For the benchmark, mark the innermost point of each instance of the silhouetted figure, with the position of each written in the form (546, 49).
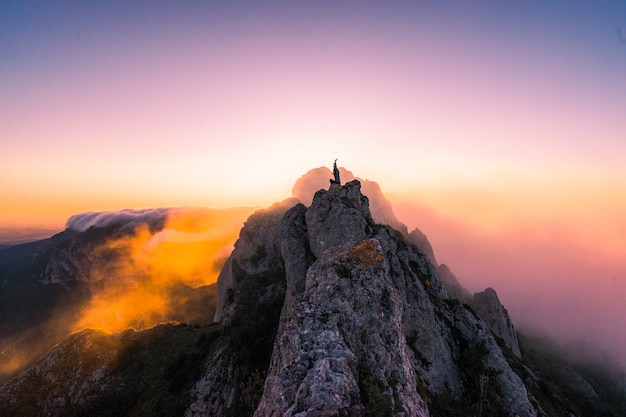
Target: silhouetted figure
(337, 180)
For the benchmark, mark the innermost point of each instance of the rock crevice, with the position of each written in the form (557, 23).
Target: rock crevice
(365, 320)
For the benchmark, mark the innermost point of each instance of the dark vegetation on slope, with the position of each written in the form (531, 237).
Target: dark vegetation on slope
(153, 372)
(148, 372)
(560, 391)
(22, 298)
(250, 336)
(143, 373)
(35, 316)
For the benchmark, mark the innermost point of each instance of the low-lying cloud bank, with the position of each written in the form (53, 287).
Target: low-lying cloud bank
(127, 219)
(555, 279)
(158, 261)
(140, 268)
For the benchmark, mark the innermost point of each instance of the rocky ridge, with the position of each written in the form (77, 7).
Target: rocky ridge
(491, 311)
(366, 321)
(323, 310)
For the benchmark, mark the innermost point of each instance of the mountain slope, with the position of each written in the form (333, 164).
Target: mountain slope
(132, 373)
(321, 311)
(93, 273)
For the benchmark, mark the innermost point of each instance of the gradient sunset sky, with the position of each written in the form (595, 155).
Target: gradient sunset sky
(496, 122)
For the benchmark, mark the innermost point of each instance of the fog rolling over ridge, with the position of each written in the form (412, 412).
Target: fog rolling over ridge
(112, 271)
(548, 279)
(555, 276)
(163, 251)
(325, 297)
(552, 275)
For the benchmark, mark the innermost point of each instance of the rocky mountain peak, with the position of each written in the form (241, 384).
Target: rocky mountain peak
(339, 215)
(491, 311)
(365, 321)
(315, 179)
(323, 310)
(256, 254)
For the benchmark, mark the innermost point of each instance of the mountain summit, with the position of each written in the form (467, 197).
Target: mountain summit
(366, 323)
(321, 311)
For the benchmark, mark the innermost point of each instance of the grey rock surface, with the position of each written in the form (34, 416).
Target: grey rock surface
(340, 215)
(325, 348)
(323, 311)
(316, 179)
(488, 307)
(419, 239)
(452, 284)
(363, 295)
(257, 252)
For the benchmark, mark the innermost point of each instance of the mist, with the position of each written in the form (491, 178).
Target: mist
(552, 277)
(154, 272)
(555, 279)
(135, 269)
(127, 219)
(558, 269)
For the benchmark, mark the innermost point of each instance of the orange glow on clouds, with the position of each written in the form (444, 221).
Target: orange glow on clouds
(142, 287)
(498, 122)
(553, 250)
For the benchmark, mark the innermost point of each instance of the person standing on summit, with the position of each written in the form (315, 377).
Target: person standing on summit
(337, 180)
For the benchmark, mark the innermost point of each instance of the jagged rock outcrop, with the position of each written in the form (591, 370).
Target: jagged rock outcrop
(251, 292)
(365, 322)
(419, 239)
(256, 254)
(323, 362)
(323, 311)
(382, 213)
(452, 284)
(380, 208)
(488, 307)
(340, 215)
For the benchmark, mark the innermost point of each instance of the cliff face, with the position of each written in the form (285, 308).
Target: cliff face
(380, 208)
(322, 311)
(366, 322)
(323, 362)
(492, 312)
(454, 288)
(382, 212)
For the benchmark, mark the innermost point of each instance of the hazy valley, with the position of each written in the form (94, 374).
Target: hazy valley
(330, 307)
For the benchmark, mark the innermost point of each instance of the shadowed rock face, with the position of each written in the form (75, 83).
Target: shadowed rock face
(419, 239)
(365, 323)
(317, 179)
(381, 211)
(492, 312)
(256, 254)
(454, 288)
(323, 351)
(322, 312)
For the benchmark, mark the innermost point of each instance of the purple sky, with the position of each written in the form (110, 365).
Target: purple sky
(501, 122)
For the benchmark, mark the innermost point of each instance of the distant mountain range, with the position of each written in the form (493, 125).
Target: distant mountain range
(326, 306)
(15, 235)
